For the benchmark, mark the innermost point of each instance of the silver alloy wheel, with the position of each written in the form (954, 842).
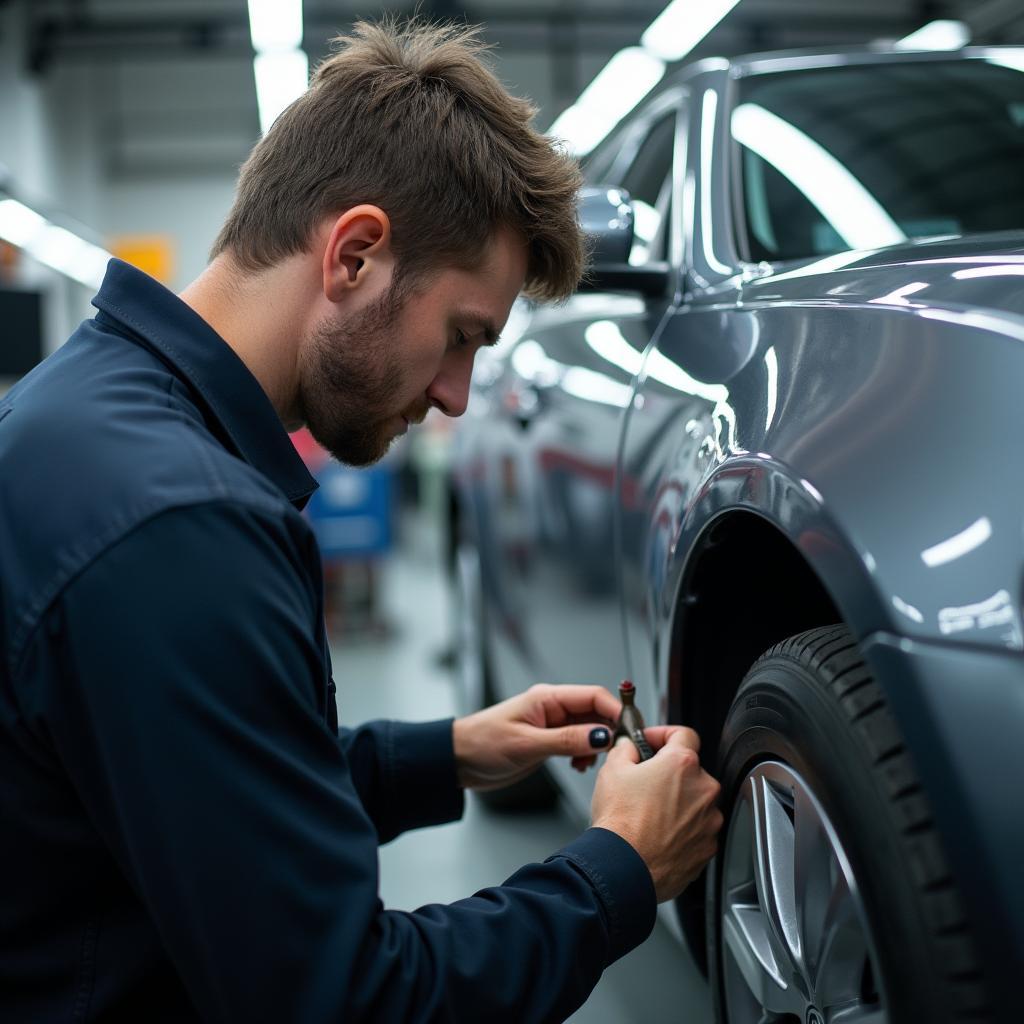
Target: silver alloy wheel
(469, 628)
(796, 946)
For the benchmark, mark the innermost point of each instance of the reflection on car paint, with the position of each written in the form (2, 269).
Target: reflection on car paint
(995, 611)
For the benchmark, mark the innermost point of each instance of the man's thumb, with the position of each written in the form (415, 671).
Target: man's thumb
(625, 749)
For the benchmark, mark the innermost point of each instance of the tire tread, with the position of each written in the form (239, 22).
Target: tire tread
(833, 652)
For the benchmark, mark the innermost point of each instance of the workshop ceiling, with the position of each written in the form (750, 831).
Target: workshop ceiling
(175, 83)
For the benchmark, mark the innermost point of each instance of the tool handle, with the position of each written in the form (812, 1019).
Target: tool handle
(641, 744)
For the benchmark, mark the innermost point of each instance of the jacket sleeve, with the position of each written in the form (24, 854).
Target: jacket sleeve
(185, 709)
(404, 773)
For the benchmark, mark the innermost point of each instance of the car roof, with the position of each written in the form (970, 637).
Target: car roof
(796, 60)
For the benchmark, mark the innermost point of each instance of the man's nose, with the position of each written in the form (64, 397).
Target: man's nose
(449, 390)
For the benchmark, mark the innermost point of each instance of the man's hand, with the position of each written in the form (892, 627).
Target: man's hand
(504, 743)
(664, 808)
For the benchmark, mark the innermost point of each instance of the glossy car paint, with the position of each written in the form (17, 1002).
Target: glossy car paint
(867, 406)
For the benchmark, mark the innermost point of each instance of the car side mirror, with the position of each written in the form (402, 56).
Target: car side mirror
(607, 219)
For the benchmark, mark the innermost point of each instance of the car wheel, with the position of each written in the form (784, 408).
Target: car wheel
(829, 898)
(475, 683)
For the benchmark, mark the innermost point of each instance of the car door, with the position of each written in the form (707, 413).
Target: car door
(567, 386)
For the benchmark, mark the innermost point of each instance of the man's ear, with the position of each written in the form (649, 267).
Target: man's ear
(358, 248)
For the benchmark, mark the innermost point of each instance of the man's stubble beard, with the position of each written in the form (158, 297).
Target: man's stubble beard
(349, 377)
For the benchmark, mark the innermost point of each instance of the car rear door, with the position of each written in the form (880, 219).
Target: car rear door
(568, 385)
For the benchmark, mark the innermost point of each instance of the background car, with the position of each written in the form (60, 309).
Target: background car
(767, 465)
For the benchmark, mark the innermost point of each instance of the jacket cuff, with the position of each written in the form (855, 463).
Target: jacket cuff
(623, 884)
(419, 773)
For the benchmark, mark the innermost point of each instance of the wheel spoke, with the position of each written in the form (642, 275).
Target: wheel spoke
(815, 869)
(746, 934)
(774, 868)
(843, 953)
(857, 1013)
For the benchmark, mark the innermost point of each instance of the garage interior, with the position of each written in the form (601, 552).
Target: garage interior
(124, 123)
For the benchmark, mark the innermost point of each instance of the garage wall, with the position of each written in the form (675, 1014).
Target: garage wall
(51, 162)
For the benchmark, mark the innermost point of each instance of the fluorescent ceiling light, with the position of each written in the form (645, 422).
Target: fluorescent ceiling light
(682, 25)
(18, 224)
(275, 25)
(53, 246)
(619, 86)
(280, 79)
(937, 35)
(842, 200)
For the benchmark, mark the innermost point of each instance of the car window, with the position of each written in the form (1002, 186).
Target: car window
(648, 180)
(864, 156)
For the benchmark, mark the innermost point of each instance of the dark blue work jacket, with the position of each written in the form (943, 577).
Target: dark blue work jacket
(184, 833)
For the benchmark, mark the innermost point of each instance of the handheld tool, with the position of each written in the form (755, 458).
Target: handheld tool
(631, 722)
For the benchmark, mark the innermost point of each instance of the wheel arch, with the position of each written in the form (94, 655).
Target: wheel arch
(721, 628)
(757, 560)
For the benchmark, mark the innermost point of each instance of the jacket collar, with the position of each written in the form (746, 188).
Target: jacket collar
(209, 366)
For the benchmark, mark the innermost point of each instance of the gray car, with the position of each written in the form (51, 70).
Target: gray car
(767, 465)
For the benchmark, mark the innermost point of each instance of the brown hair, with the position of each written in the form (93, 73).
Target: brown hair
(408, 117)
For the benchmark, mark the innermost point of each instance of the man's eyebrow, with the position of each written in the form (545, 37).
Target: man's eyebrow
(481, 321)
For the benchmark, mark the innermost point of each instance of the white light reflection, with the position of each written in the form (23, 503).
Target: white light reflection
(937, 35)
(994, 611)
(977, 321)
(605, 338)
(958, 545)
(899, 296)
(907, 609)
(709, 113)
(595, 387)
(1008, 58)
(842, 200)
(812, 491)
(827, 265)
(532, 363)
(771, 365)
(1001, 270)
(646, 221)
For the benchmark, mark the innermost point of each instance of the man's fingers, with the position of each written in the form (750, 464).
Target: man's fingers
(568, 702)
(572, 740)
(659, 735)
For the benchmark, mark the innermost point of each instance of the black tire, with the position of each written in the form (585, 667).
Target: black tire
(537, 791)
(810, 720)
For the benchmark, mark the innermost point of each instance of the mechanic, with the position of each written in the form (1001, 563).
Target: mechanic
(187, 835)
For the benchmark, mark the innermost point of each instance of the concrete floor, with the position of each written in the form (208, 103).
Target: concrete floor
(402, 678)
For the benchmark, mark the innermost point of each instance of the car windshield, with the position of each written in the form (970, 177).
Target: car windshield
(863, 156)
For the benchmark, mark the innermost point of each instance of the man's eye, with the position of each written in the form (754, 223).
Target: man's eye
(461, 341)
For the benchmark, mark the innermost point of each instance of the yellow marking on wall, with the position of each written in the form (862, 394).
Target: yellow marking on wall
(152, 254)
